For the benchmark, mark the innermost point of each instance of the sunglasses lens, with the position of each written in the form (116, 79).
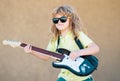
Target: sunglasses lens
(63, 19)
(55, 20)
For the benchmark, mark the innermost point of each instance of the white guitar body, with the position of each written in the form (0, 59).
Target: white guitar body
(71, 64)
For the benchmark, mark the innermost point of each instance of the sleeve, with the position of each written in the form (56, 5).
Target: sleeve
(85, 40)
(51, 46)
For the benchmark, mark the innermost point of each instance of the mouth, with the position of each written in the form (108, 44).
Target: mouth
(59, 24)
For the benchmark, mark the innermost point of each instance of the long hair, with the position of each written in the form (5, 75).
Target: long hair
(75, 23)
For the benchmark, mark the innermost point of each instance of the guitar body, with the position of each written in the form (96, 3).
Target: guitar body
(81, 66)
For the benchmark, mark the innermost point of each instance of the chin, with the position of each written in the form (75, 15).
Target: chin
(60, 28)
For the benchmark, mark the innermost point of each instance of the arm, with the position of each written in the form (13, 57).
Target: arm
(91, 49)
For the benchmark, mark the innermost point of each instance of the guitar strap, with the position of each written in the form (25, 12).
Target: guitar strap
(78, 42)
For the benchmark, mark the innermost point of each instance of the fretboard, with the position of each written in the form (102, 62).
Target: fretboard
(53, 54)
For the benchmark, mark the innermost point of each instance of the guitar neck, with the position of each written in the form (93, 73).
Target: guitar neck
(53, 54)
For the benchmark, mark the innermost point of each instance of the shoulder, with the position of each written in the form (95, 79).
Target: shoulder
(85, 40)
(81, 34)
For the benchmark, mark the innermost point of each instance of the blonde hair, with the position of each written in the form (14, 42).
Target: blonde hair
(75, 24)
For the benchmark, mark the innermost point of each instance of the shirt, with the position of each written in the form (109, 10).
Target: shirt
(69, 43)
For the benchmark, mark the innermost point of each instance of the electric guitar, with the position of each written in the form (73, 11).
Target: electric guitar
(80, 66)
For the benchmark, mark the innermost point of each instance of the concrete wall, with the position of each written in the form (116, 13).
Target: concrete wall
(30, 21)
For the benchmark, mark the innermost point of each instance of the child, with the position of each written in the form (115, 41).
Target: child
(66, 26)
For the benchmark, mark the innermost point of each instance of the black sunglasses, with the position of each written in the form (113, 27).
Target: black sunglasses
(62, 19)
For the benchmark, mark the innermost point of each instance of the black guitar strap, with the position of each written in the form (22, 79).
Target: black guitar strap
(78, 42)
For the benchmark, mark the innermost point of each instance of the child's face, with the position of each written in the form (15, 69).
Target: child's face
(63, 22)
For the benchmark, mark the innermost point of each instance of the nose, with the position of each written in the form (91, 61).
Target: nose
(59, 21)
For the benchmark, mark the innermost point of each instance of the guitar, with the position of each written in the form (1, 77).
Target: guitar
(79, 66)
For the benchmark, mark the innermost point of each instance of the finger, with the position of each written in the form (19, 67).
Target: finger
(29, 46)
(72, 57)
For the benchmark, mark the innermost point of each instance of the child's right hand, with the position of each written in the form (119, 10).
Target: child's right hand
(28, 48)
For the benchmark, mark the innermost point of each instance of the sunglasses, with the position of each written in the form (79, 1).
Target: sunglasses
(62, 19)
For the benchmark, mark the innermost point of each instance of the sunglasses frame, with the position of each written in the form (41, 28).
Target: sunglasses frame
(62, 19)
